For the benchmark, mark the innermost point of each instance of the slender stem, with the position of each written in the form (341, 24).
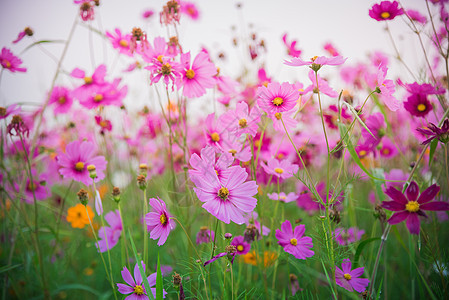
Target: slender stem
(145, 232)
(61, 209)
(124, 234)
(445, 161)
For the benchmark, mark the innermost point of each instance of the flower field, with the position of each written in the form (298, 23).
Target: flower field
(159, 173)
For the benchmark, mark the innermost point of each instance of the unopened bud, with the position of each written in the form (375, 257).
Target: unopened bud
(92, 171)
(176, 280)
(228, 236)
(143, 169)
(142, 182)
(116, 194)
(82, 196)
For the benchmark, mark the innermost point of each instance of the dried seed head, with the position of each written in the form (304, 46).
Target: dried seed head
(142, 182)
(82, 196)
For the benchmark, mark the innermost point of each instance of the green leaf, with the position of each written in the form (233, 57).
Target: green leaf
(159, 285)
(328, 280)
(356, 115)
(8, 268)
(379, 290)
(42, 42)
(139, 263)
(433, 147)
(362, 245)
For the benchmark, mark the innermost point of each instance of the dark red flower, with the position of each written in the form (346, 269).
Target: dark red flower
(435, 132)
(409, 206)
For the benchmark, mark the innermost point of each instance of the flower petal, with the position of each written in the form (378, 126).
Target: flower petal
(428, 194)
(412, 191)
(413, 223)
(435, 206)
(398, 217)
(393, 205)
(396, 195)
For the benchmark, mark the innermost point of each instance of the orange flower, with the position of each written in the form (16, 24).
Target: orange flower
(78, 217)
(252, 258)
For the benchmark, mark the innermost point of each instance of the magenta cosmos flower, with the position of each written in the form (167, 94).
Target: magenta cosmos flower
(349, 279)
(75, 160)
(409, 206)
(291, 47)
(198, 76)
(110, 234)
(10, 61)
(229, 198)
(417, 103)
(435, 132)
(241, 246)
(386, 10)
(158, 221)
(294, 242)
(281, 169)
(135, 285)
(241, 121)
(165, 68)
(277, 98)
(61, 98)
(120, 41)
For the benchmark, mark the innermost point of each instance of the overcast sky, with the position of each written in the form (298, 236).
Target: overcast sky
(345, 23)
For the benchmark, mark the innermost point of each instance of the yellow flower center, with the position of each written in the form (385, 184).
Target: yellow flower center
(347, 276)
(8, 64)
(215, 137)
(223, 193)
(240, 248)
(278, 101)
(421, 107)
(278, 116)
(243, 123)
(314, 58)
(79, 166)
(190, 73)
(294, 242)
(123, 43)
(232, 151)
(385, 15)
(279, 170)
(159, 58)
(62, 100)
(386, 151)
(138, 289)
(412, 206)
(282, 198)
(88, 80)
(98, 97)
(163, 219)
(362, 153)
(166, 69)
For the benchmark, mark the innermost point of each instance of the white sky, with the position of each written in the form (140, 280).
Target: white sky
(345, 23)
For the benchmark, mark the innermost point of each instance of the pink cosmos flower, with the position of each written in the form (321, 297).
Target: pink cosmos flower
(86, 9)
(331, 49)
(204, 235)
(106, 94)
(228, 199)
(61, 97)
(198, 77)
(387, 88)
(345, 237)
(90, 82)
(11, 62)
(104, 124)
(39, 188)
(286, 198)
(416, 16)
(277, 98)
(135, 286)
(166, 68)
(190, 9)
(110, 235)
(26, 32)
(316, 62)
(216, 133)
(262, 77)
(157, 51)
(291, 47)
(241, 246)
(294, 242)
(158, 221)
(241, 121)
(386, 10)
(148, 13)
(208, 159)
(417, 103)
(120, 42)
(238, 149)
(78, 156)
(409, 206)
(13, 109)
(388, 148)
(281, 169)
(349, 279)
(322, 86)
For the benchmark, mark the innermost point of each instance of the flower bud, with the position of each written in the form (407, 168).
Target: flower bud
(116, 194)
(228, 236)
(143, 169)
(142, 182)
(82, 196)
(92, 171)
(177, 280)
